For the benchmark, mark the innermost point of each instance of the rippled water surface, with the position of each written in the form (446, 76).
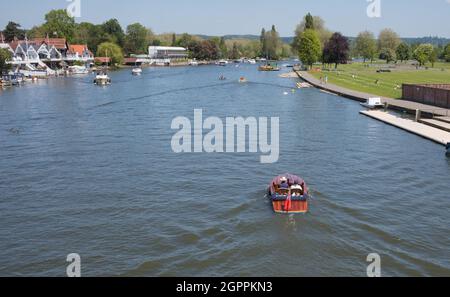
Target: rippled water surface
(90, 170)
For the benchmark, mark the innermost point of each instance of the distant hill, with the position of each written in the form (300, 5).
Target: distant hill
(434, 40)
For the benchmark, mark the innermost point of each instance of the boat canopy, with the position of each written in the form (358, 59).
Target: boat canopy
(292, 179)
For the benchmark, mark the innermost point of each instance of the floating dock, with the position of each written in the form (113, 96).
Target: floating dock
(426, 131)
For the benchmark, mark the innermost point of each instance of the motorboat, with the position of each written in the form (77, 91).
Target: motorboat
(289, 194)
(222, 63)
(136, 71)
(102, 79)
(242, 80)
(193, 63)
(373, 103)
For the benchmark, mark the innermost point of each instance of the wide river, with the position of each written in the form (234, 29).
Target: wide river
(90, 170)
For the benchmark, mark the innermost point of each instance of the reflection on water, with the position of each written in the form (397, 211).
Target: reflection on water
(90, 170)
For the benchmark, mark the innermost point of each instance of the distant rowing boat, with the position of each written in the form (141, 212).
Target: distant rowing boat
(289, 194)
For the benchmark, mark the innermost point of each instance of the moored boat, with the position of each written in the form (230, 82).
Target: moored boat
(269, 67)
(289, 194)
(78, 70)
(373, 103)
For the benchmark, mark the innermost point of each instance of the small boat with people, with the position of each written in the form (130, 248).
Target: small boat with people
(242, 80)
(373, 103)
(222, 77)
(102, 79)
(289, 194)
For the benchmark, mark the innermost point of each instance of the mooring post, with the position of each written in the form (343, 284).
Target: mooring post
(418, 115)
(386, 106)
(447, 147)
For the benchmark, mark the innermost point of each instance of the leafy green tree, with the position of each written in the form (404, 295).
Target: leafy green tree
(336, 50)
(235, 51)
(12, 30)
(59, 24)
(388, 54)
(309, 46)
(366, 46)
(36, 32)
(388, 39)
(204, 50)
(446, 53)
(111, 50)
(319, 26)
(114, 29)
(434, 56)
(4, 56)
(272, 43)
(136, 39)
(403, 52)
(423, 53)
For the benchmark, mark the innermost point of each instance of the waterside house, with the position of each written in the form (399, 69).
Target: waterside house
(46, 56)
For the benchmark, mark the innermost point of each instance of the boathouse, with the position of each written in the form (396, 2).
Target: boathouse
(167, 52)
(431, 94)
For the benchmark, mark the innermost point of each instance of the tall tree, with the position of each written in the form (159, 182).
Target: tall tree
(272, 43)
(59, 24)
(403, 52)
(388, 41)
(12, 30)
(319, 26)
(111, 50)
(309, 47)
(235, 51)
(174, 39)
(309, 21)
(223, 48)
(136, 39)
(114, 29)
(366, 46)
(336, 50)
(263, 41)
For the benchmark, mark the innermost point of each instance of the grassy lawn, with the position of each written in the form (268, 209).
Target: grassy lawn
(362, 77)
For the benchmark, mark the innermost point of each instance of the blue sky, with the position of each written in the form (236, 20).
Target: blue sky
(410, 18)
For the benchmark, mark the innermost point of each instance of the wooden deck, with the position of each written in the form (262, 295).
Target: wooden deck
(362, 97)
(426, 131)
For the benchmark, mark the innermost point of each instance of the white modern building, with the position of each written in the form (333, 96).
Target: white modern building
(167, 52)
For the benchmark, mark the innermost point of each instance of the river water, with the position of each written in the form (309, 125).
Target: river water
(90, 170)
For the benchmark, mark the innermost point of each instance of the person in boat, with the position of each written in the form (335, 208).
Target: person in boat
(284, 185)
(297, 190)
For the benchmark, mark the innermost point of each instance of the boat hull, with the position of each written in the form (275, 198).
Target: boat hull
(297, 207)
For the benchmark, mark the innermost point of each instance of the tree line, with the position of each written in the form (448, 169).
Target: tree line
(109, 37)
(315, 43)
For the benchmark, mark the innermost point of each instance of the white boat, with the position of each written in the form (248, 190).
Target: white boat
(222, 63)
(102, 79)
(78, 70)
(193, 63)
(251, 61)
(136, 71)
(373, 103)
